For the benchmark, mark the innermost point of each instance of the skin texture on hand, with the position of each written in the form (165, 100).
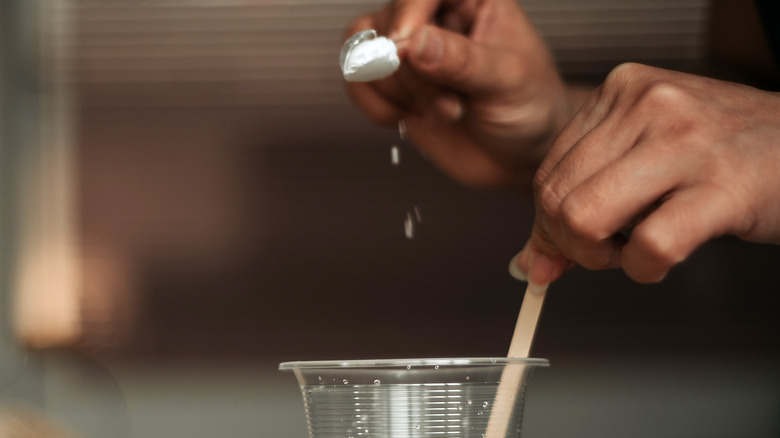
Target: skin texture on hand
(477, 89)
(680, 158)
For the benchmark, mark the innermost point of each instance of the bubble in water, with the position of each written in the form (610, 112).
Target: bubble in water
(436, 367)
(395, 155)
(492, 361)
(345, 381)
(479, 413)
(511, 397)
(408, 367)
(468, 402)
(460, 408)
(484, 404)
(319, 378)
(468, 378)
(409, 226)
(417, 426)
(377, 382)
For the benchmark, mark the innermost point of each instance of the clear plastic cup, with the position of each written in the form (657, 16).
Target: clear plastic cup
(409, 398)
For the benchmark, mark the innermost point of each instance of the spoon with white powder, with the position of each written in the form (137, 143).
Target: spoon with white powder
(366, 57)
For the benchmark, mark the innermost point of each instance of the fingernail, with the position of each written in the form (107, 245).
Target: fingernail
(537, 288)
(539, 267)
(514, 269)
(429, 49)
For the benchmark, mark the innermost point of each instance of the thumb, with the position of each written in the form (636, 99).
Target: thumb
(539, 262)
(454, 61)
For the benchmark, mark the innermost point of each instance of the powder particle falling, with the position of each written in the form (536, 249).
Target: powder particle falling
(411, 217)
(402, 129)
(409, 226)
(395, 155)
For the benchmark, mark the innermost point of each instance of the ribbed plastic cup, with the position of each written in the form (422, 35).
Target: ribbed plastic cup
(409, 398)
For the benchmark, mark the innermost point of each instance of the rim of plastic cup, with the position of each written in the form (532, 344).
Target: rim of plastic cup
(392, 363)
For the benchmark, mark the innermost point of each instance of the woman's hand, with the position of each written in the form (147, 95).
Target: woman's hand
(680, 158)
(477, 90)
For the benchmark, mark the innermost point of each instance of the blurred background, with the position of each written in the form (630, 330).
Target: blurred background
(187, 198)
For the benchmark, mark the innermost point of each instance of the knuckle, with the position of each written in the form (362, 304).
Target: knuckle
(656, 247)
(549, 200)
(623, 74)
(664, 94)
(577, 217)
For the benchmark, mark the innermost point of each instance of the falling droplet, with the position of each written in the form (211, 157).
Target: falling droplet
(409, 226)
(319, 378)
(468, 378)
(395, 155)
(345, 381)
(377, 382)
(484, 404)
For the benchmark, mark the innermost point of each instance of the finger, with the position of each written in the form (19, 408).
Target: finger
(405, 16)
(365, 22)
(543, 262)
(607, 178)
(613, 197)
(429, 98)
(454, 61)
(374, 105)
(673, 231)
(392, 90)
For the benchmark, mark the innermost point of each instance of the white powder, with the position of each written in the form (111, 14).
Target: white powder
(366, 57)
(409, 226)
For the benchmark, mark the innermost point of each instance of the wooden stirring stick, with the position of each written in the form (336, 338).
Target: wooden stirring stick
(513, 375)
(526, 322)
